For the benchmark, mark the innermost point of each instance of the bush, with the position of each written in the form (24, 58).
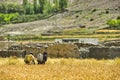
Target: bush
(8, 18)
(94, 10)
(114, 24)
(91, 19)
(118, 17)
(107, 11)
(17, 18)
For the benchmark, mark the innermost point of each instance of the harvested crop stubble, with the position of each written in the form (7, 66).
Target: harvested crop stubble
(62, 69)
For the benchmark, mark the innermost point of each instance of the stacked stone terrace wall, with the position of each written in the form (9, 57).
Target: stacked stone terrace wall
(104, 52)
(8, 53)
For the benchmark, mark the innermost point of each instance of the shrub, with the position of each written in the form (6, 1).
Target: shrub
(91, 19)
(94, 10)
(7, 18)
(17, 18)
(107, 12)
(118, 17)
(115, 24)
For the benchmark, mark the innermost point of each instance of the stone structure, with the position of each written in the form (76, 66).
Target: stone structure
(78, 40)
(104, 52)
(4, 45)
(8, 53)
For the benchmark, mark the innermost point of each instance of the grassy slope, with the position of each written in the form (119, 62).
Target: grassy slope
(60, 69)
(80, 12)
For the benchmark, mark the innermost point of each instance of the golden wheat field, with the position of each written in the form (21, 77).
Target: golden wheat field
(60, 69)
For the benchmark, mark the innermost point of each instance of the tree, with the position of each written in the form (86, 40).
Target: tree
(3, 8)
(25, 2)
(47, 8)
(55, 5)
(35, 6)
(14, 8)
(41, 5)
(29, 9)
(63, 4)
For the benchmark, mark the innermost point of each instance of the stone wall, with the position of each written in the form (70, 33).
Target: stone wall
(4, 45)
(104, 52)
(8, 53)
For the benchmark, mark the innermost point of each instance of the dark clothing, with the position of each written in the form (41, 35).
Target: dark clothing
(44, 57)
(23, 53)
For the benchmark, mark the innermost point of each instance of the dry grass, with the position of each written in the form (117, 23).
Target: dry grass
(101, 37)
(107, 31)
(61, 69)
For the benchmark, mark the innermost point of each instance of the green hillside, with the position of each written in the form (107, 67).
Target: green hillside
(91, 14)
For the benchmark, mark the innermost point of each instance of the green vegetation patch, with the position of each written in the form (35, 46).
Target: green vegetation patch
(114, 23)
(78, 31)
(28, 37)
(30, 10)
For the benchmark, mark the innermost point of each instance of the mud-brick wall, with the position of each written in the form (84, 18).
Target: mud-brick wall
(104, 52)
(9, 53)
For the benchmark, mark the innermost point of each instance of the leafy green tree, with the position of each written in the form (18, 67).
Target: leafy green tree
(14, 8)
(41, 5)
(55, 5)
(47, 8)
(35, 6)
(25, 2)
(11, 8)
(63, 4)
(3, 8)
(29, 9)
